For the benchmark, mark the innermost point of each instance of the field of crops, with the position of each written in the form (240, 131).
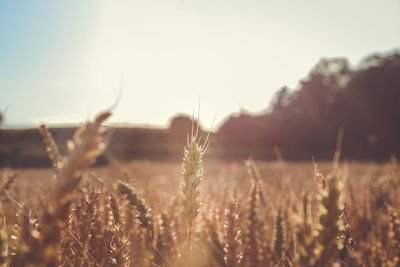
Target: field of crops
(197, 212)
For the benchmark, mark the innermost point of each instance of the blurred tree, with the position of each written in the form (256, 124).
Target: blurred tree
(365, 100)
(181, 124)
(280, 99)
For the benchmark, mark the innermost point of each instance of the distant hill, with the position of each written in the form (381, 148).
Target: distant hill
(21, 148)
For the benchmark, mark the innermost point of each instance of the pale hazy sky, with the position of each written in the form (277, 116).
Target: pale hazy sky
(63, 61)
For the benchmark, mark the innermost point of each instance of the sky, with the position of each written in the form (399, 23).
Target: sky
(64, 61)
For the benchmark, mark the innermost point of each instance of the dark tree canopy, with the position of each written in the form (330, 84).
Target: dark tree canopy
(364, 100)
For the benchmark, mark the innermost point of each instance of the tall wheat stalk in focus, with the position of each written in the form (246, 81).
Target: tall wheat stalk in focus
(192, 170)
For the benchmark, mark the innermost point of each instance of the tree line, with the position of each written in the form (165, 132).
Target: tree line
(364, 100)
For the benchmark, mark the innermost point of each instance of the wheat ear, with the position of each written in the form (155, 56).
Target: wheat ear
(279, 237)
(3, 238)
(192, 170)
(144, 216)
(251, 237)
(233, 238)
(51, 146)
(86, 145)
(330, 224)
(305, 236)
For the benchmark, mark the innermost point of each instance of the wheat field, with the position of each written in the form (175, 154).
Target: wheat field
(198, 212)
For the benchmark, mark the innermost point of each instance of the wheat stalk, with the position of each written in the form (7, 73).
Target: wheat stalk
(214, 245)
(279, 235)
(145, 216)
(305, 236)
(3, 238)
(330, 224)
(192, 170)
(233, 237)
(87, 144)
(51, 147)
